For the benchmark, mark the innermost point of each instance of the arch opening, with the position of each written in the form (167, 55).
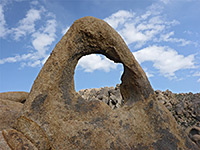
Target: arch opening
(98, 78)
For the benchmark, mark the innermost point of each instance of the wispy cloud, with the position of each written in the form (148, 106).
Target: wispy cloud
(182, 42)
(19, 0)
(3, 29)
(119, 18)
(44, 37)
(15, 58)
(165, 59)
(152, 26)
(94, 62)
(165, 1)
(149, 74)
(140, 28)
(41, 37)
(65, 30)
(27, 24)
(137, 29)
(196, 74)
(35, 2)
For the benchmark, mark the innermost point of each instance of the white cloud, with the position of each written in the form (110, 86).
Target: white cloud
(198, 80)
(43, 38)
(191, 33)
(15, 58)
(94, 62)
(34, 63)
(149, 75)
(9, 59)
(45, 59)
(131, 34)
(3, 29)
(119, 18)
(139, 29)
(196, 74)
(19, 0)
(35, 2)
(165, 1)
(65, 30)
(165, 59)
(27, 24)
(134, 28)
(142, 32)
(30, 59)
(167, 38)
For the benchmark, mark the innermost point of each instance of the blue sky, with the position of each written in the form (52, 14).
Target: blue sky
(163, 35)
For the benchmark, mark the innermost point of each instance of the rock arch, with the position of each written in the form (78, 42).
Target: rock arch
(90, 35)
(86, 36)
(56, 117)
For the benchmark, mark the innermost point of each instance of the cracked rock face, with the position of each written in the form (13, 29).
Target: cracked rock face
(54, 116)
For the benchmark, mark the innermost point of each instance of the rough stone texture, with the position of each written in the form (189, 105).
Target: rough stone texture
(17, 141)
(56, 117)
(194, 133)
(187, 103)
(108, 95)
(9, 111)
(185, 107)
(3, 143)
(14, 96)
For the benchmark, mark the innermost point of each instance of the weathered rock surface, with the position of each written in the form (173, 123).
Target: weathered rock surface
(14, 96)
(16, 141)
(3, 143)
(194, 133)
(108, 95)
(9, 112)
(54, 116)
(185, 107)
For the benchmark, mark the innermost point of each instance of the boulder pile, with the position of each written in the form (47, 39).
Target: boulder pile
(108, 95)
(185, 107)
